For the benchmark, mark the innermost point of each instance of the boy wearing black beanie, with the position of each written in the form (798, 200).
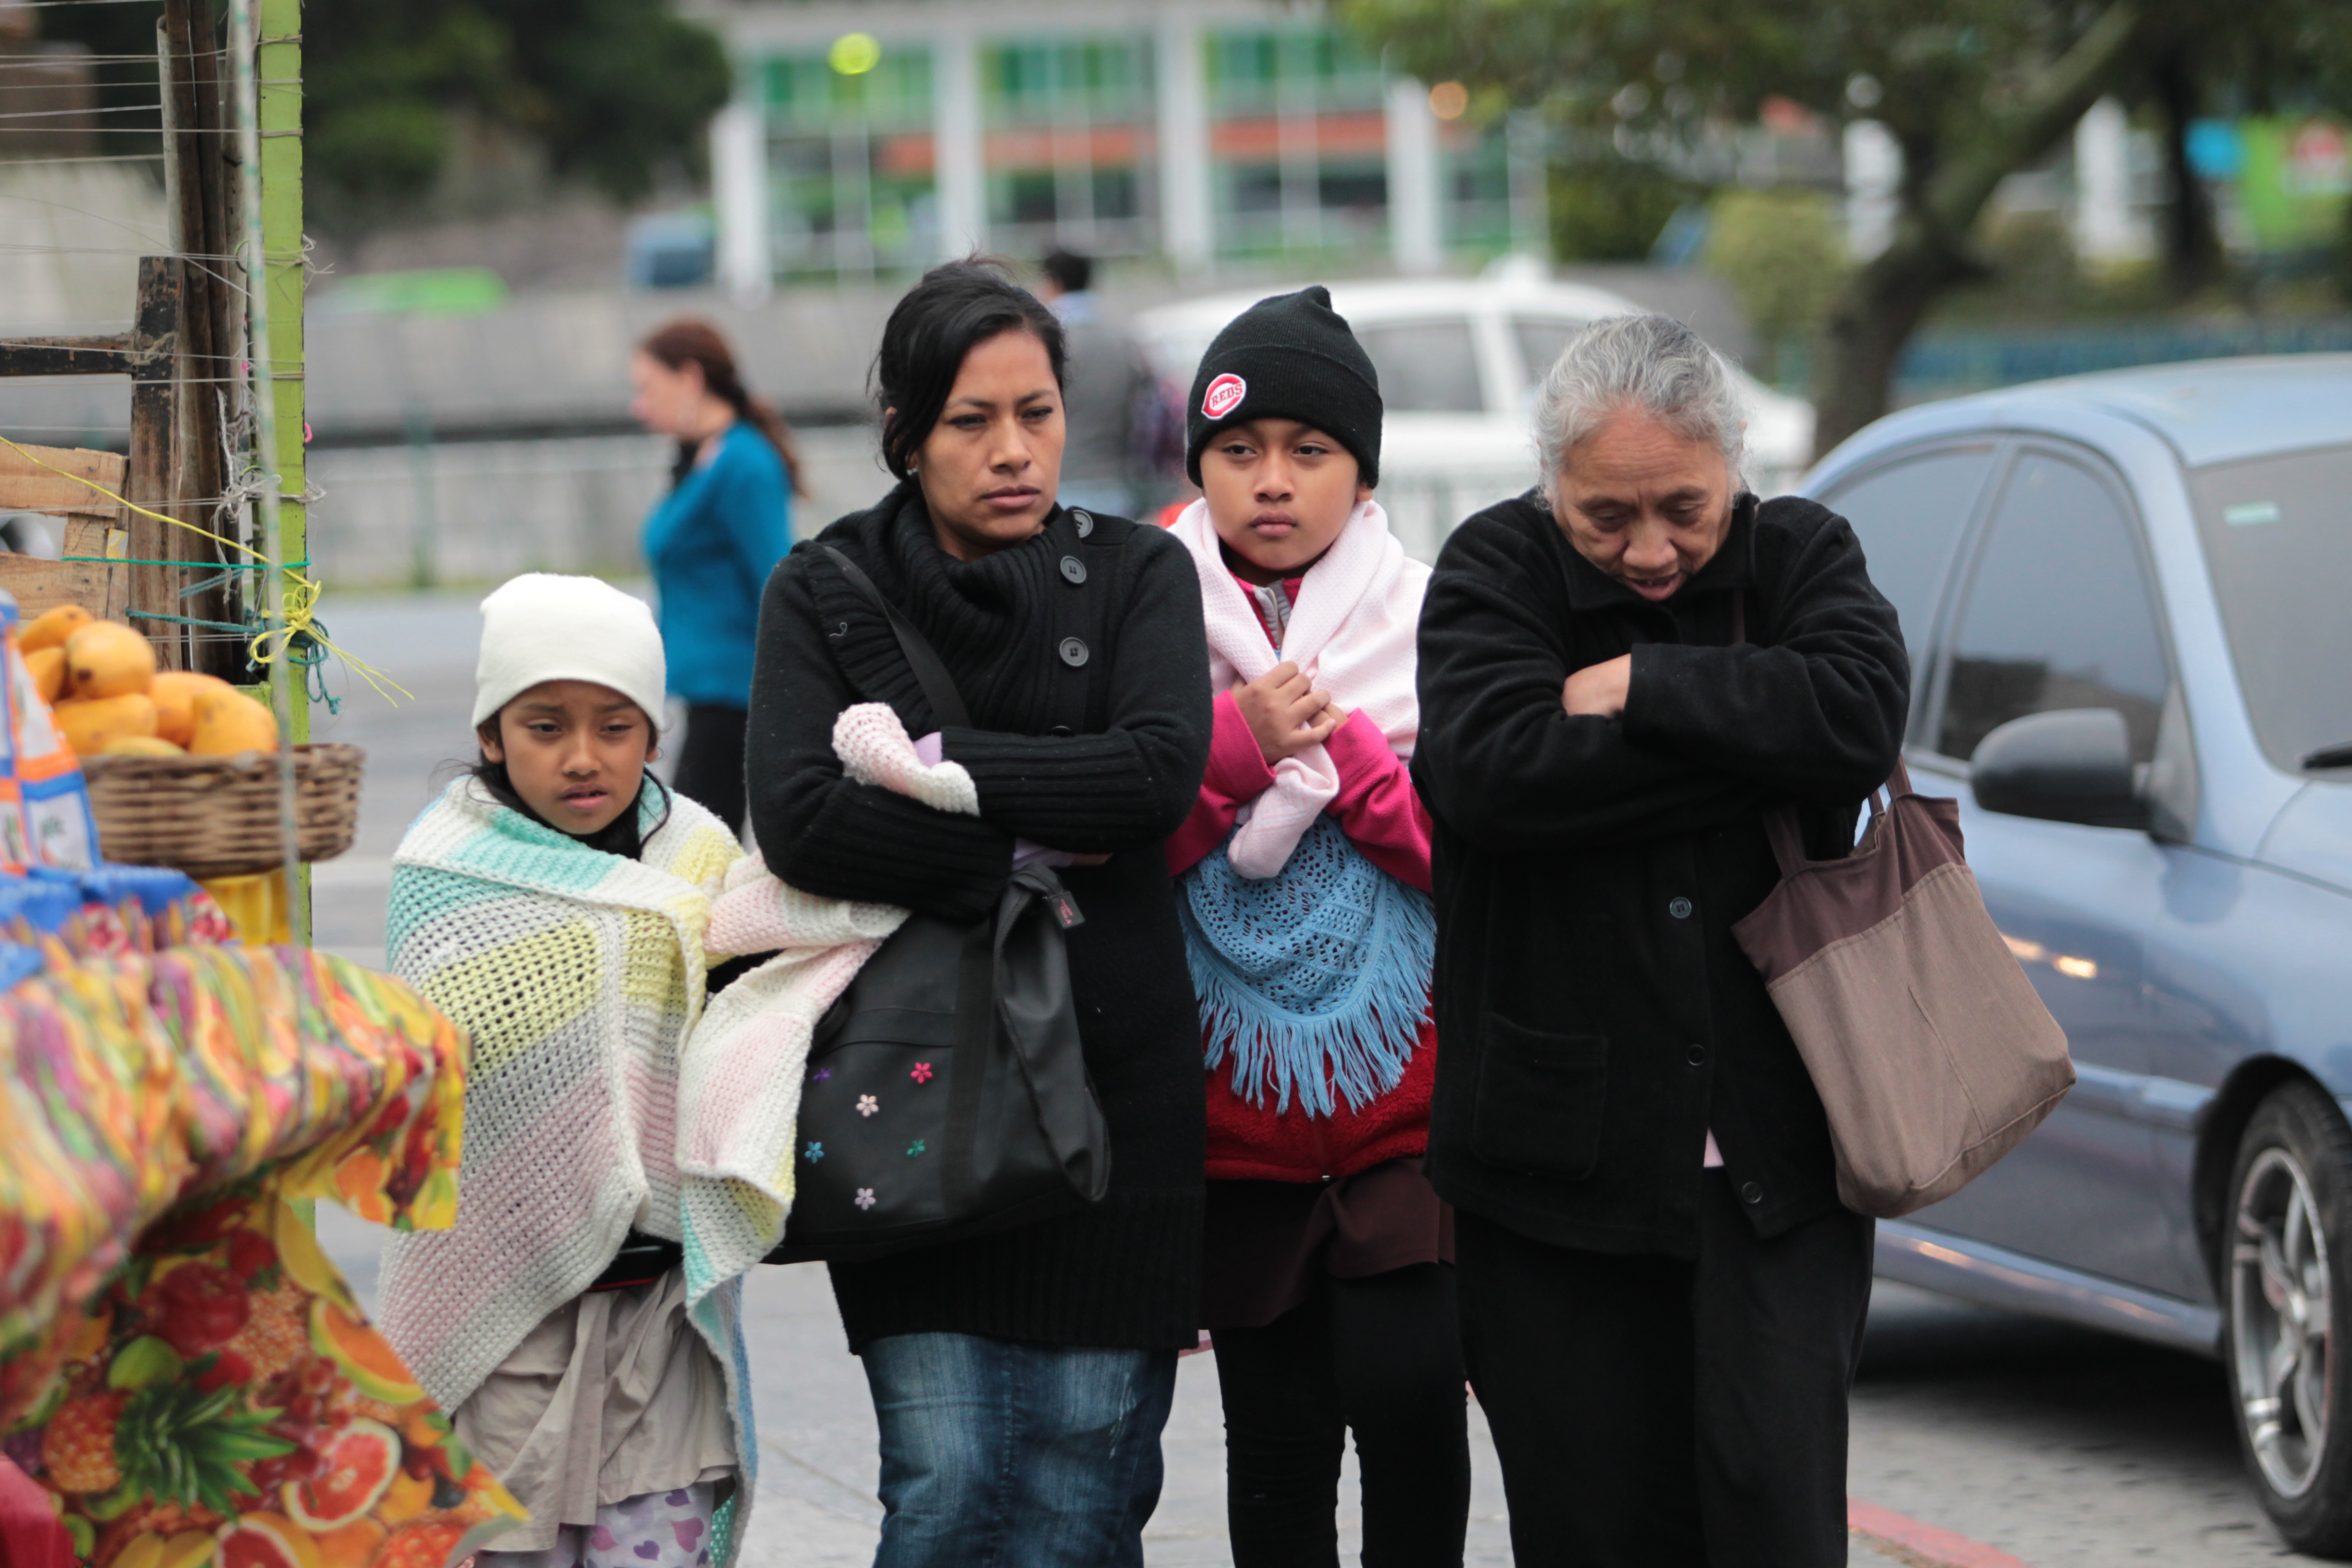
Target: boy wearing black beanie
(1289, 357)
(1326, 1269)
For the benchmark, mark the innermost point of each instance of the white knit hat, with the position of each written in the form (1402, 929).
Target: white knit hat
(540, 626)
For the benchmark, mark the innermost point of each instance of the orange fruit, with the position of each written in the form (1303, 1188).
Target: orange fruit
(48, 668)
(107, 659)
(91, 724)
(52, 627)
(351, 1546)
(361, 1459)
(228, 722)
(267, 1541)
(362, 1353)
(420, 1546)
(174, 691)
(407, 1497)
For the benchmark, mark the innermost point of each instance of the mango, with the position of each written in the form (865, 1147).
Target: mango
(228, 722)
(142, 746)
(107, 659)
(91, 723)
(174, 691)
(48, 668)
(52, 627)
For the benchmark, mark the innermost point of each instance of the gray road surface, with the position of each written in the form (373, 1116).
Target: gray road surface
(2062, 1447)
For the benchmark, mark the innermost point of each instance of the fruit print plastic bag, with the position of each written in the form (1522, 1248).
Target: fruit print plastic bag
(227, 1402)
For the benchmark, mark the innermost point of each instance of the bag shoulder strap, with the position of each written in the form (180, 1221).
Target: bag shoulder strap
(930, 670)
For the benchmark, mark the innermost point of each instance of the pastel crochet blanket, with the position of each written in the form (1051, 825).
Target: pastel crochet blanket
(1352, 633)
(740, 1086)
(580, 975)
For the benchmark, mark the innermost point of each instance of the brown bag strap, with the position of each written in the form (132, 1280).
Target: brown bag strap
(1787, 845)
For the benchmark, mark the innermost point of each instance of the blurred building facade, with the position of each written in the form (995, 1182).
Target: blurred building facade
(871, 137)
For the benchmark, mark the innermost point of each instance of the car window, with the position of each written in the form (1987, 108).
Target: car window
(2057, 614)
(1909, 516)
(2280, 550)
(1540, 338)
(1425, 367)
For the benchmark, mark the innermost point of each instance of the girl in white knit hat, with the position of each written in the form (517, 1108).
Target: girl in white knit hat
(552, 901)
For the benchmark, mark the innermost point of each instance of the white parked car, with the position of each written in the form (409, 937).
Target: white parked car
(1459, 359)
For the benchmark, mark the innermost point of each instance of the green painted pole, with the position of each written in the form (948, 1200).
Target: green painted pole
(280, 83)
(265, 55)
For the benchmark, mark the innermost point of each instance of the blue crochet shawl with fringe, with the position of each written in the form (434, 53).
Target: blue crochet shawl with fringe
(1311, 980)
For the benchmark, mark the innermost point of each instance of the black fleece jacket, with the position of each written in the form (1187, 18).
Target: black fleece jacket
(1595, 1016)
(1081, 658)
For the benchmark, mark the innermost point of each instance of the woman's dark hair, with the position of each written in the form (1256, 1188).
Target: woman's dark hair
(690, 341)
(958, 306)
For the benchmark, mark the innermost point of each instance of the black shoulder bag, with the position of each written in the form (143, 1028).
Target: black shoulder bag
(946, 1092)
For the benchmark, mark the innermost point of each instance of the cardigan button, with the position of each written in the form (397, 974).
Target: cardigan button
(1073, 652)
(1698, 1056)
(1084, 522)
(1074, 569)
(1751, 1193)
(1061, 732)
(1680, 908)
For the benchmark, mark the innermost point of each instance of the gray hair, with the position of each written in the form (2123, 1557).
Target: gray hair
(1654, 363)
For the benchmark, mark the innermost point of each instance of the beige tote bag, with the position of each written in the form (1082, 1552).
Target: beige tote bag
(1931, 1052)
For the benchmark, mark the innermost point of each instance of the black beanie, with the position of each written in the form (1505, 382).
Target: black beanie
(1290, 357)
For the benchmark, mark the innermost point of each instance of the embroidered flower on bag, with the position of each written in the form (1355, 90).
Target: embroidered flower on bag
(867, 1105)
(865, 1198)
(820, 1075)
(813, 1152)
(914, 1148)
(922, 1073)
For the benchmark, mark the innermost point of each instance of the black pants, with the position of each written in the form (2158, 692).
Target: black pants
(1382, 1355)
(710, 761)
(1650, 1413)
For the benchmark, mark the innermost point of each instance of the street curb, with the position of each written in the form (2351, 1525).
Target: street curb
(1920, 1545)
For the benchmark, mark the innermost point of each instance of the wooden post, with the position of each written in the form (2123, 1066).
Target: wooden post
(154, 342)
(201, 158)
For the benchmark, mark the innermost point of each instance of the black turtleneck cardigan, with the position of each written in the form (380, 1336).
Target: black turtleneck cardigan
(1095, 749)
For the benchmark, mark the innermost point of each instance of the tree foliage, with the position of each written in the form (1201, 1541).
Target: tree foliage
(1971, 90)
(1784, 258)
(612, 90)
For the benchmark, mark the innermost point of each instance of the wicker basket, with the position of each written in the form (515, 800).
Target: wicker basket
(217, 817)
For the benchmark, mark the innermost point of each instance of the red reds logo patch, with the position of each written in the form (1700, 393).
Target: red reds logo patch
(1224, 396)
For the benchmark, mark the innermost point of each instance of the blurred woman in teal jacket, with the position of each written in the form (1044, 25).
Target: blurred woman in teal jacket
(711, 542)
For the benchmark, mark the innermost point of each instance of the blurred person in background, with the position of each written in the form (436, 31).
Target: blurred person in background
(1112, 396)
(711, 541)
(1020, 1378)
(1662, 1298)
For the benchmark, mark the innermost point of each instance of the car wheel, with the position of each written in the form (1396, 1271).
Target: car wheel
(2284, 1290)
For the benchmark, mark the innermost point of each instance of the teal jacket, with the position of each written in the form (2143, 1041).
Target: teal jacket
(711, 543)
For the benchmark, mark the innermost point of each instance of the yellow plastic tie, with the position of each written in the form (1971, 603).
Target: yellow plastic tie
(297, 606)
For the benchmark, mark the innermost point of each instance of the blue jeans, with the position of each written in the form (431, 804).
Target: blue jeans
(997, 1455)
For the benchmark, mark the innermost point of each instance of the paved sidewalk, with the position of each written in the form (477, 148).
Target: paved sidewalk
(816, 1507)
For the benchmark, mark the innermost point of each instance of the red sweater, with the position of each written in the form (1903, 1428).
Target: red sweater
(1381, 815)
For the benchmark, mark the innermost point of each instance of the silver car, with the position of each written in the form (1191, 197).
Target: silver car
(2128, 602)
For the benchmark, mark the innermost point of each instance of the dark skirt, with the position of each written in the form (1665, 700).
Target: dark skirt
(1264, 1242)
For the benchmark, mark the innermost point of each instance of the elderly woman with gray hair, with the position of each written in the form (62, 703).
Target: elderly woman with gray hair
(1662, 1299)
